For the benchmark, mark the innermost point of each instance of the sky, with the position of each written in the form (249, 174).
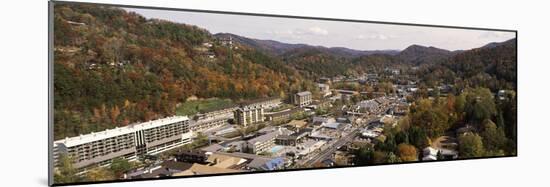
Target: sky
(353, 35)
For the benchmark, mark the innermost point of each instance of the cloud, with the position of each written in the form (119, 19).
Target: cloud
(300, 32)
(285, 34)
(374, 36)
(317, 31)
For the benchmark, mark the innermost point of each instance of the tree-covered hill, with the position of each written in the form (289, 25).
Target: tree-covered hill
(417, 54)
(493, 67)
(113, 68)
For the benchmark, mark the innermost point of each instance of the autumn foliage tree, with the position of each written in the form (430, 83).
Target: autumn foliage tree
(430, 116)
(470, 145)
(407, 152)
(494, 139)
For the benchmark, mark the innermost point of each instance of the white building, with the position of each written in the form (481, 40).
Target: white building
(249, 115)
(429, 153)
(368, 105)
(207, 120)
(127, 142)
(262, 143)
(252, 111)
(302, 99)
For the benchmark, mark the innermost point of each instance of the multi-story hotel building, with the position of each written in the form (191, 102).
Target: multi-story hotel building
(302, 99)
(249, 115)
(126, 142)
(251, 112)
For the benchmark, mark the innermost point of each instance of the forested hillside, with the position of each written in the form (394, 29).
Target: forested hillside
(417, 54)
(490, 67)
(113, 68)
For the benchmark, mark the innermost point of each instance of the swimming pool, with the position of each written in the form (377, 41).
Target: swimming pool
(276, 149)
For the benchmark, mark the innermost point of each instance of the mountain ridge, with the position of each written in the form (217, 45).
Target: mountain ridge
(279, 48)
(414, 54)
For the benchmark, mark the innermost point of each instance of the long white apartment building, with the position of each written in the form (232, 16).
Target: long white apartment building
(205, 124)
(127, 142)
(211, 119)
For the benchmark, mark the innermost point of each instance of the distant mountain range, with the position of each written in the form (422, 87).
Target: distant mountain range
(280, 48)
(496, 44)
(415, 54)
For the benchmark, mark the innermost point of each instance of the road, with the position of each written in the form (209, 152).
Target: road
(326, 153)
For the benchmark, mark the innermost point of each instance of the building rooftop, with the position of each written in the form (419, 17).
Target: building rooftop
(198, 169)
(286, 137)
(176, 165)
(95, 136)
(322, 119)
(333, 125)
(368, 104)
(225, 161)
(429, 157)
(304, 93)
(206, 120)
(166, 168)
(213, 148)
(264, 137)
(429, 151)
(302, 131)
(242, 155)
(297, 123)
(266, 164)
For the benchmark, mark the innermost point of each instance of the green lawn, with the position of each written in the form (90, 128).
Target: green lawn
(282, 107)
(193, 107)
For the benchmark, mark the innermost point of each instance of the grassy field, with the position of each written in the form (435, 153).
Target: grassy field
(282, 107)
(193, 107)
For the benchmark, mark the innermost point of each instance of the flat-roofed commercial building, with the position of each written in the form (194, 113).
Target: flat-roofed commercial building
(126, 142)
(302, 99)
(294, 138)
(262, 143)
